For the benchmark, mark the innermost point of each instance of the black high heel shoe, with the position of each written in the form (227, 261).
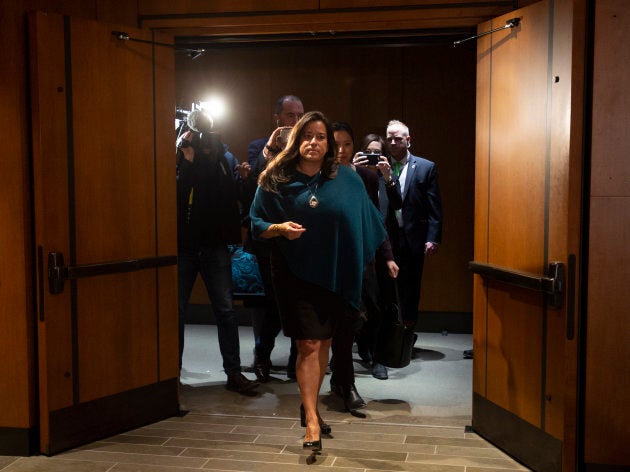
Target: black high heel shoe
(313, 445)
(323, 427)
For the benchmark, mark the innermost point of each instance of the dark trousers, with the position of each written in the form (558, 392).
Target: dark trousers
(267, 323)
(368, 335)
(214, 264)
(342, 365)
(409, 279)
(267, 320)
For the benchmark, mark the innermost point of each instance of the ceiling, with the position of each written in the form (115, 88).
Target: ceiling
(198, 23)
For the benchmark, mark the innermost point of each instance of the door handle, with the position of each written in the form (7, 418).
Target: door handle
(58, 273)
(552, 285)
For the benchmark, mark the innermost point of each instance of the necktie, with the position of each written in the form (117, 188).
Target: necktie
(397, 168)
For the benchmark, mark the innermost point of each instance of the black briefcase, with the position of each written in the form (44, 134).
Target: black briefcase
(395, 340)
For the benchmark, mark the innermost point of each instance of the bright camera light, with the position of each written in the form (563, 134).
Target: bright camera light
(215, 107)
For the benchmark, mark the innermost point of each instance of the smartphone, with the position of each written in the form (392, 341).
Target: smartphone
(284, 135)
(372, 157)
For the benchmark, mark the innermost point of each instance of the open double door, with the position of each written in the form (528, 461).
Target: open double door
(104, 195)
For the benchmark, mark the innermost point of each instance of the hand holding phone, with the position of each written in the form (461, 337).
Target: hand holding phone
(372, 158)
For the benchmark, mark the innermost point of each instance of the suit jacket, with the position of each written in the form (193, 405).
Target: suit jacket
(421, 206)
(254, 149)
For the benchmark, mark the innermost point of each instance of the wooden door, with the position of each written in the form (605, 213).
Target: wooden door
(525, 245)
(105, 232)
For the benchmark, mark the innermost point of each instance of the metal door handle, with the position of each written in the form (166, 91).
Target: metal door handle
(552, 285)
(58, 272)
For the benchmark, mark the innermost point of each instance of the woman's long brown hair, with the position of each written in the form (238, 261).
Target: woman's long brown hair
(282, 167)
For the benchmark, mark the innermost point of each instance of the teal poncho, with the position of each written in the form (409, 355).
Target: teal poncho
(342, 232)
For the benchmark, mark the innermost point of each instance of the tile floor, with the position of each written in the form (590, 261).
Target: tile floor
(407, 426)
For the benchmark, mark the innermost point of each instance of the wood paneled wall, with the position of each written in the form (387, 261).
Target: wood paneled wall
(16, 271)
(607, 413)
(431, 87)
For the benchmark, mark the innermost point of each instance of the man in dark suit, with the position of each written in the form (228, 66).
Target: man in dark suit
(288, 111)
(415, 230)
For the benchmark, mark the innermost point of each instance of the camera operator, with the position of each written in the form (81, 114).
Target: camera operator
(208, 220)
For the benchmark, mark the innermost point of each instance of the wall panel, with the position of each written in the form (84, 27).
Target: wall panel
(16, 307)
(607, 356)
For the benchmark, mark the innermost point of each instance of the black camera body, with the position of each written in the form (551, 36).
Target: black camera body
(201, 142)
(372, 157)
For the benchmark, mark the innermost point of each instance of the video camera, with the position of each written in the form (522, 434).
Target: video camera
(202, 139)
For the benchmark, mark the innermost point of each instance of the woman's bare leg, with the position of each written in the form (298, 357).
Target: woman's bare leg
(312, 361)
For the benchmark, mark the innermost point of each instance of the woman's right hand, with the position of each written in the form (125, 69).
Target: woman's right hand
(359, 159)
(291, 230)
(288, 229)
(385, 168)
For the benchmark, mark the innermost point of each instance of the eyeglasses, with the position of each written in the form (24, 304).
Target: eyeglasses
(396, 139)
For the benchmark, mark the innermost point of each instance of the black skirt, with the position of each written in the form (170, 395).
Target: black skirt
(307, 311)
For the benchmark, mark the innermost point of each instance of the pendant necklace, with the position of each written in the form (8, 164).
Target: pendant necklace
(313, 201)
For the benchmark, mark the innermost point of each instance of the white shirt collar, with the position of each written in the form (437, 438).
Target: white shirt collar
(404, 160)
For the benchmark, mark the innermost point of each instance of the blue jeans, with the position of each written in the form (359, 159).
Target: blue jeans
(215, 266)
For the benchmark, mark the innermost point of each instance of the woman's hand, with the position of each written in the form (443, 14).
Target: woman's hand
(288, 229)
(359, 159)
(243, 169)
(392, 269)
(430, 248)
(385, 168)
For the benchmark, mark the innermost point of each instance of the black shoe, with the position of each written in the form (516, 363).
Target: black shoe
(313, 445)
(353, 400)
(323, 427)
(262, 369)
(379, 371)
(468, 354)
(240, 383)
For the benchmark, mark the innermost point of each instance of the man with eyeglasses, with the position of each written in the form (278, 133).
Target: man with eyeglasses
(415, 230)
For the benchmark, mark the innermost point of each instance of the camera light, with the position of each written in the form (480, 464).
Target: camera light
(215, 107)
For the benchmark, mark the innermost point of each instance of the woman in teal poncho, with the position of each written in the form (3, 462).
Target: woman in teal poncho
(324, 230)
